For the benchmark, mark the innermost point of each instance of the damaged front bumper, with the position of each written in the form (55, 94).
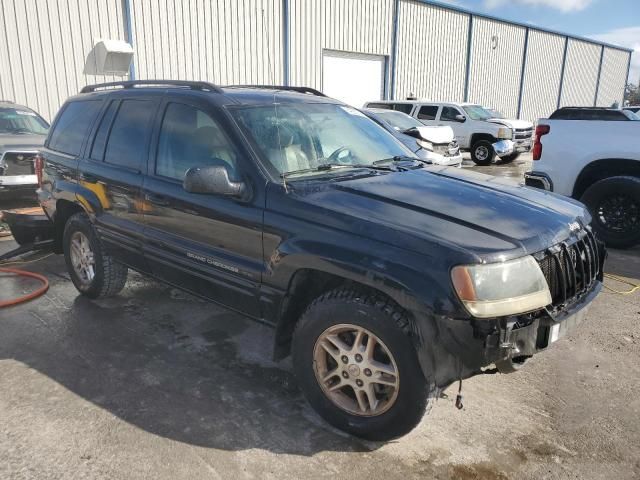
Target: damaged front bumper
(465, 347)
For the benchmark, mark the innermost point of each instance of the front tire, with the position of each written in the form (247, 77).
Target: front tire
(482, 152)
(357, 366)
(94, 273)
(614, 204)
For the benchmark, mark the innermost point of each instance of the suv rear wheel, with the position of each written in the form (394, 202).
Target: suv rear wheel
(94, 273)
(614, 204)
(357, 365)
(482, 152)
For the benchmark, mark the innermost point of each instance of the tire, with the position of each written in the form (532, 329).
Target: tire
(509, 158)
(399, 409)
(614, 204)
(109, 277)
(482, 152)
(511, 365)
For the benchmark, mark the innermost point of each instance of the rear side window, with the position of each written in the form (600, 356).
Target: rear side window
(428, 112)
(190, 138)
(449, 113)
(72, 126)
(127, 140)
(403, 107)
(385, 106)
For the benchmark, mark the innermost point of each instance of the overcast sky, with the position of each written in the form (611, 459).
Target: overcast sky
(612, 21)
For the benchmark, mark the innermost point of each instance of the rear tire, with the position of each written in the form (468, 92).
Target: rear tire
(482, 152)
(93, 272)
(509, 158)
(339, 315)
(614, 204)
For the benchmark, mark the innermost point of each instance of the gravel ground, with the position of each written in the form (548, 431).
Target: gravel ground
(131, 387)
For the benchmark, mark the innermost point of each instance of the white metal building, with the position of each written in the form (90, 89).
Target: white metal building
(355, 50)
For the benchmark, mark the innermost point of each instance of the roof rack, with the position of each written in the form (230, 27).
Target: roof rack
(308, 90)
(205, 86)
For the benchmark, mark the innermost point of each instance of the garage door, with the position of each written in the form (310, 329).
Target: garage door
(352, 77)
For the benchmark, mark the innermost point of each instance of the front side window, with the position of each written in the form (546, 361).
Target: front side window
(301, 136)
(71, 128)
(190, 138)
(449, 114)
(126, 144)
(16, 121)
(428, 112)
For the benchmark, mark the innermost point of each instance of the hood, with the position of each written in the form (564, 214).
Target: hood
(487, 217)
(21, 142)
(507, 122)
(440, 134)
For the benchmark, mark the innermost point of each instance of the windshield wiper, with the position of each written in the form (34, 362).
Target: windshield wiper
(333, 166)
(400, 158)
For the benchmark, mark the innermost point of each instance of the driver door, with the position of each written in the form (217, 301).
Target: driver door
(208, 244)
(448, 118)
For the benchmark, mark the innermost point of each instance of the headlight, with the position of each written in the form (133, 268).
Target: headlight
(499, 289)
(426, 145)
(505, 133)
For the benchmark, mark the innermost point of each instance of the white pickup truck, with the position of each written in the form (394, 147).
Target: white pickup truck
(598, 163)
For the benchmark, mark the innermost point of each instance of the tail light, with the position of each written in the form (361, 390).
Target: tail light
(537, 144)
(39, 168)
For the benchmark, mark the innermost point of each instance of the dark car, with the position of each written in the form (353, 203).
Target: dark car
(386, 279)
(593, 113)
(22, 133)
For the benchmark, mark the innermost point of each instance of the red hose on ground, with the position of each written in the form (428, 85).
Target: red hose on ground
(29, 296)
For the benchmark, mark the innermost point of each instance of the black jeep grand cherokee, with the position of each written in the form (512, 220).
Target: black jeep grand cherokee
(387, 279)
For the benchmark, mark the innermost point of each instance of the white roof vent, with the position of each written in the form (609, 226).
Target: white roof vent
(109, 57)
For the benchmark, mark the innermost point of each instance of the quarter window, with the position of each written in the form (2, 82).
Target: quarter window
(71, 128)
(428, 112)
(97, 150)
(190, 138)
(126, 144)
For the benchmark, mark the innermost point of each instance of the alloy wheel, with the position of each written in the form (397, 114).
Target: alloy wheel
(82, 257)
(356, 370)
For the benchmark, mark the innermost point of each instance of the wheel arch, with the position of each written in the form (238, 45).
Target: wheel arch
(601, 169)
(476, 137)
(64, 210)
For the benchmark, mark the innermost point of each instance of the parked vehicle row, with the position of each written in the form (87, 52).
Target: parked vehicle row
(387, 279)
(475, 128)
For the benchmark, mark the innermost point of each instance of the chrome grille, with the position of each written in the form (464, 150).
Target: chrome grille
(522, 133)
(571, 268)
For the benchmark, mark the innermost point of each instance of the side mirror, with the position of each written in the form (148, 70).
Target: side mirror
(214, 180)
(460, 118)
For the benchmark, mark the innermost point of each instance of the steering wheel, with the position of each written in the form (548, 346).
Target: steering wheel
(333, 158)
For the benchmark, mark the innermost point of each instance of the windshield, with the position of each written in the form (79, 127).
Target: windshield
(495, 113)
(301, 136)
(16, 121)
(476, 112)
(400, 121)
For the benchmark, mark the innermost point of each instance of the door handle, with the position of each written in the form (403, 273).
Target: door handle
(159, 200)
(88, 178)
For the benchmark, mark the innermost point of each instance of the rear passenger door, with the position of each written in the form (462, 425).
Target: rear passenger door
(111, 175)
(208, 244)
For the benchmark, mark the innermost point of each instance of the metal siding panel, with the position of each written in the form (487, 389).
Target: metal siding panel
(613, 77)
(495, 72)
(542, 75)
(581, 74)
(357, 26)
(432, 52)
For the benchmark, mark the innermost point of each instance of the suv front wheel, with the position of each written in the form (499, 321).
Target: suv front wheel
(93, 272)
(357, 366)
(482, 152)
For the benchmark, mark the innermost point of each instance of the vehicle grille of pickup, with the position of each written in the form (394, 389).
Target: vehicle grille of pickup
(523, 133)
(571, 269)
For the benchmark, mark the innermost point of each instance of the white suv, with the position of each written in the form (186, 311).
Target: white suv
(474, 127)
